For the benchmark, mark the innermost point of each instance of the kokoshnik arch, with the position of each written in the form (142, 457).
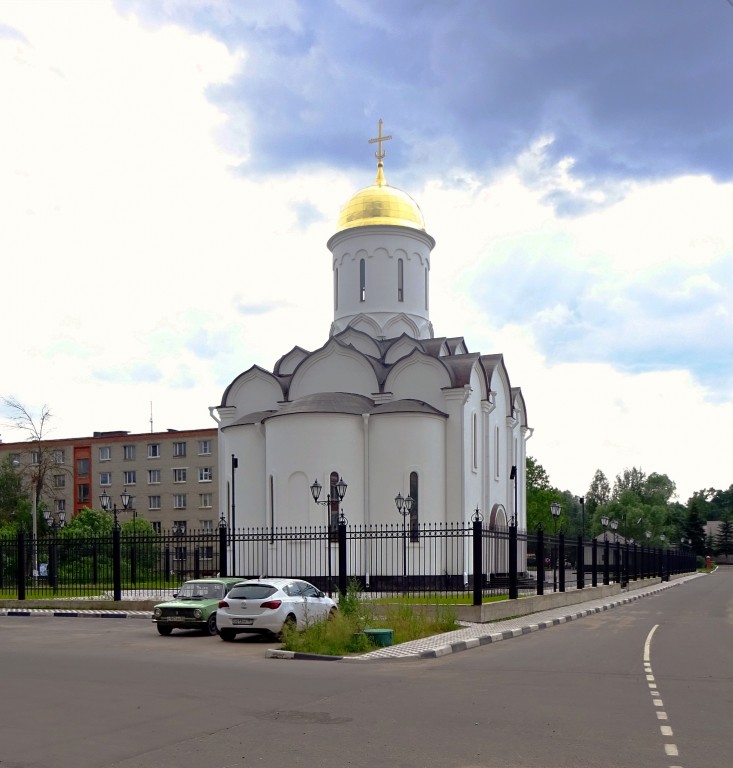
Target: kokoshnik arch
(384, 403)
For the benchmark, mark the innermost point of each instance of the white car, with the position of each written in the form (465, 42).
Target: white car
(267, 605)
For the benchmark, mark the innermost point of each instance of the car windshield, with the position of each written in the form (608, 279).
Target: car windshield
(252, 591)
(197, 590)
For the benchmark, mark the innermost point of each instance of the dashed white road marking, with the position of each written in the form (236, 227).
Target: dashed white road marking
(666, 730)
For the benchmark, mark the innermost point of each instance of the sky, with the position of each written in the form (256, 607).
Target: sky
(170, 172)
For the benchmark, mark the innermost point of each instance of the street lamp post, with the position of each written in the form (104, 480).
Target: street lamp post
(555, 510)
(106, 500)
(339, 489)
(235, 465)
(581, 501)
(404, 507)
(54, 525)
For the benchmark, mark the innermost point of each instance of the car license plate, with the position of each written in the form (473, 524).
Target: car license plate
(243, 622)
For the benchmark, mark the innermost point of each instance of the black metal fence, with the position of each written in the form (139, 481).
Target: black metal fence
(463, 560)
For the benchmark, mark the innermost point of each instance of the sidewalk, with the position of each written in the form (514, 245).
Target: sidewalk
(473, 635)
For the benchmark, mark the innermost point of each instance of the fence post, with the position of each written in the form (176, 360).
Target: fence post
(343, 567)
(116, 564)
(20, 569)
(513, 587)
(617, 562)
(478, 560)
(625, 570)
(594, 562)
(606, 563)
(540, 556)
(580, 564)
(561, 561)
(197, 563)
(222, 547)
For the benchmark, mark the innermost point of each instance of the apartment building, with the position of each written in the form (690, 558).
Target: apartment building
(169, 475)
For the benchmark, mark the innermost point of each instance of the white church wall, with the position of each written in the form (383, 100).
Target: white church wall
(419, 377)
(398, 445)
(381, 248)
(334, 369)
(247, 443)
(255, 390)
(473, 448)
(315, 444)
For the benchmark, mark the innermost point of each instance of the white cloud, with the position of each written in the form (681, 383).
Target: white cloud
(149, 264)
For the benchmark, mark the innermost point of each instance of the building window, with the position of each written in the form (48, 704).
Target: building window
(179, 553)
(153, 502)
(153, 476)
(59, 481)
(426, 288)
(179, 449)
(496, 452)
(156, 526)
(207, 526)
(400, 280)
(414, 512)
(105, 478)
(128, 452)
(179, 501)
(59, 456)
(15, 459)
(205, 501)
(154, 450)
(59, 505)
(130, 477)
(336, 288)
(82, 467)
(82, 493)
(179, 475)
(105, 453)
(204, 447)
(206, 553)
(206, 474)
(35, 457)
(474, 441)
(362, 280)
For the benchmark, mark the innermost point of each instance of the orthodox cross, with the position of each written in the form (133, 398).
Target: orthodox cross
(380, 154)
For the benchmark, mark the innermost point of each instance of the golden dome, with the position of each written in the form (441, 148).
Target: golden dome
(381, 204)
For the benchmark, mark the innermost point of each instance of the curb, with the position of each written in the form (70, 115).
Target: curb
(464, 645)
(90, 614)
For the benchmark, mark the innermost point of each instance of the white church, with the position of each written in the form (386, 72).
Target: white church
(384, 404)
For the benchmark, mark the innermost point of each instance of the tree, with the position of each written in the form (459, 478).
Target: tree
(11, 490)
(724, 539)
(599, 492)
(35, 465)
(540, 494)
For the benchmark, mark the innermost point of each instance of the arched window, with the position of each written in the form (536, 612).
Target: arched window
(414, 512)
(362, 280)
(400, 280)
(496, 452)
(474, 441)
(336, 288)
(426, 288)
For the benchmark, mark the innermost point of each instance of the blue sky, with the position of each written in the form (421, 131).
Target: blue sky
(175, 168)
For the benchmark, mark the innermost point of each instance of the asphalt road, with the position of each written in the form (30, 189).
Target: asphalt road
(93, 693)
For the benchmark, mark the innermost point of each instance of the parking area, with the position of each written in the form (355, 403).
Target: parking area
(126, 635)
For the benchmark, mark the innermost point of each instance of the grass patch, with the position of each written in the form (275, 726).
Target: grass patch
(433, 599)
(343, 635)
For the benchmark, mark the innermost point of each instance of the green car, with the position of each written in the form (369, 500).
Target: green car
(193, 606)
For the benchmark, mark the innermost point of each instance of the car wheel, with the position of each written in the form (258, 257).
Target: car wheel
(227, 635)
(211, 624)
(163, 630)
